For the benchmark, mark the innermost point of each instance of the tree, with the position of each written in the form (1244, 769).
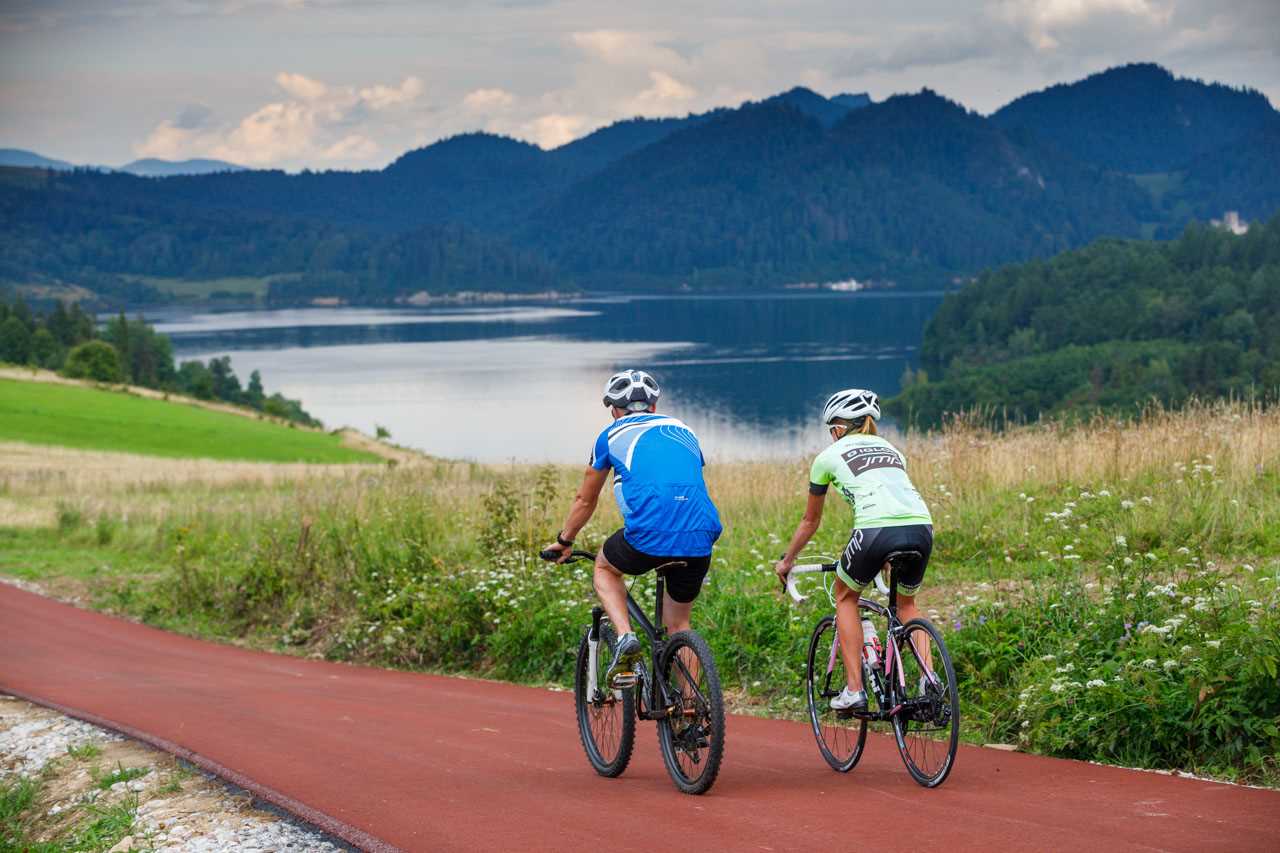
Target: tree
(45, 351)
(195, 379)
(254, 394)
(226, 385)
(96, 360)
(15, 341)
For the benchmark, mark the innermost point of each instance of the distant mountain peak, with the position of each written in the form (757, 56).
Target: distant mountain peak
(813, 105)
(1138, 118)
(153, 167)
(31, 160)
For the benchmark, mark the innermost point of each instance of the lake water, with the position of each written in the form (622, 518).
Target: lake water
(523, 381)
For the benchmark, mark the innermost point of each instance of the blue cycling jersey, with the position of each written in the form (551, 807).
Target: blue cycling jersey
(657, 482)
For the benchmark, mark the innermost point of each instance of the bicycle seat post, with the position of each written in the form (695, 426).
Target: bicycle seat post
(659, 588)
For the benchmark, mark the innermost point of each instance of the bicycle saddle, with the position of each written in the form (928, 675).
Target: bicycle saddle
(901, 560)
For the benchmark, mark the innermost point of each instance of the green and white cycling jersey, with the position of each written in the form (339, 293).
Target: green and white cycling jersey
(872, 476)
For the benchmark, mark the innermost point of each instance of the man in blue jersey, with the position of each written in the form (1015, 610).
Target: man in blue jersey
(666, 511)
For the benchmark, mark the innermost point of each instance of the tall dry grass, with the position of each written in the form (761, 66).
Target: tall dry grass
(1241, 439)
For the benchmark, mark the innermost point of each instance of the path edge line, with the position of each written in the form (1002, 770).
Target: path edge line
(320, 820)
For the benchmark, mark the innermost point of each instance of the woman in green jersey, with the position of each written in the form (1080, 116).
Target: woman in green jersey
(889, 515)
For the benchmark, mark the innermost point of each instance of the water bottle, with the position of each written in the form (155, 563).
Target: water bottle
(870, 643)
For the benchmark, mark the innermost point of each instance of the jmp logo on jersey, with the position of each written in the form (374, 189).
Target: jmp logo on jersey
(861, 459)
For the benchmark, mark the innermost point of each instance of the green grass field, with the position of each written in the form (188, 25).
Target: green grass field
(92, 419)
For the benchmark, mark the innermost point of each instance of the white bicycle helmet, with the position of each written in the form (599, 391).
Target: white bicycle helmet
(851, 404)
(633, 390)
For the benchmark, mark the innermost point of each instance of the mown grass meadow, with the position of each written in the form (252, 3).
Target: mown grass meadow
(1109, 589)
(69, 415)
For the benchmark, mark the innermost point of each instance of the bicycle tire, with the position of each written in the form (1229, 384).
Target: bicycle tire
(705, 723)
(945, 710)
(840, 751)
(609, 758)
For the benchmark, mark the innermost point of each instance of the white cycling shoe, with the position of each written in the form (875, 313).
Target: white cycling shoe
(850, 700)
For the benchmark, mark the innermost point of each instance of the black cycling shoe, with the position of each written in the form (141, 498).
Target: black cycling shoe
(625, 654)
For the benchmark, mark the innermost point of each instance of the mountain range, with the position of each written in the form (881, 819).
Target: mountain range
(147, 167)
(915, 191)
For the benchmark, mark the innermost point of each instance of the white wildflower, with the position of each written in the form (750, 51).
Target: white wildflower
(1126, 504)
(1213, 644)
(1095, 682)
(1121, 541)
(1170, 665)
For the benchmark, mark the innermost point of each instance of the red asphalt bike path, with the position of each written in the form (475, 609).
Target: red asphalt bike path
(388, 760)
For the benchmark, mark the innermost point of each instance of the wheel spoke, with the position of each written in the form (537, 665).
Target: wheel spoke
(840, 739)
(927, 728)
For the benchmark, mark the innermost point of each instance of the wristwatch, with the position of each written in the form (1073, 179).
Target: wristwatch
(563, 542)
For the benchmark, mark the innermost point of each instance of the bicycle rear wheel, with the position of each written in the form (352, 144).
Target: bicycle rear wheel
(840, 739)
(606, 718)
(692, 737)
(928, 726)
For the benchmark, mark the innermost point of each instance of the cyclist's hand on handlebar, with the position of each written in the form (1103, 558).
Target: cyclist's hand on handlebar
(783, 568)
(557, 552)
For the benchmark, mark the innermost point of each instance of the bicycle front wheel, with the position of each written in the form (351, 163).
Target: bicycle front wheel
(606, 718)
(927, 727)
(692, 735)
(840, 739)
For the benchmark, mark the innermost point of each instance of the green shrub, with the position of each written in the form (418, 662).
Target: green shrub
(96, 360)
(1162, 661)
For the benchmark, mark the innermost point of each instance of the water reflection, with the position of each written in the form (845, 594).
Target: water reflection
(523, 382)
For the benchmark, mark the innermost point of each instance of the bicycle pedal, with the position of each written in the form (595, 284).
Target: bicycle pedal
(624, 680)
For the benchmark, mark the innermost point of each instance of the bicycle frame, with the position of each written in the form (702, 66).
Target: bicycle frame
(650, 680)
(892, 656)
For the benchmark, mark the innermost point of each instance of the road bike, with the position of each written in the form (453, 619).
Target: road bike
(919, 701)
(678, 687)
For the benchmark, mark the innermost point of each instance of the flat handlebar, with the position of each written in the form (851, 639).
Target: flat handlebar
(551, 556)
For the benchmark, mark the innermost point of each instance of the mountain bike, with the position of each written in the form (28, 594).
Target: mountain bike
(678, 687)
(919, 701)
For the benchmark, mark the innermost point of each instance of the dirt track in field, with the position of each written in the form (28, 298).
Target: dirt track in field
(399, 760)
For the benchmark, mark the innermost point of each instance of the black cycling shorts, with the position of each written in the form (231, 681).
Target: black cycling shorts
(683, 584)
(865, 555)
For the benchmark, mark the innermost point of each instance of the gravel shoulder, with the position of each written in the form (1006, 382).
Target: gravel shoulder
(66, 784)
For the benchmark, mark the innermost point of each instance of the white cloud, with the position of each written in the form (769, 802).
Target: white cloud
(555, 129)
(667, 96)
(384, 97)
(488, 100)
(314, 122)
(1043, 21)
(627, 48)
(300, 87)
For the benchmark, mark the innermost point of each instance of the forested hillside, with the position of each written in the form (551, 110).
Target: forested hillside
(915, 191)
(1112, 326)
(1139, 118)
(103, 230)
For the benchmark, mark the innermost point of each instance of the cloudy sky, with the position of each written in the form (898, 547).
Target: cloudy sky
(354, 83)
